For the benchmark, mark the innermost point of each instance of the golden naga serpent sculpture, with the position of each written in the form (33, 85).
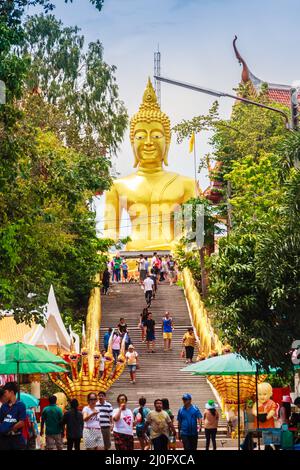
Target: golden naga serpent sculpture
(84, 377)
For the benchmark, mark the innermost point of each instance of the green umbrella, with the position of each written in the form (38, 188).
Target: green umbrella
(30, 401)
(228, 364)
(21, 358)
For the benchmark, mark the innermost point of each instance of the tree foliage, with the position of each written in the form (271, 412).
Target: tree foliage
(52, 161)
(78, 82)
(254, 293)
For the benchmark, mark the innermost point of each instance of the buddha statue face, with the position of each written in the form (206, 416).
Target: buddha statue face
(149, 144)
(150, 132)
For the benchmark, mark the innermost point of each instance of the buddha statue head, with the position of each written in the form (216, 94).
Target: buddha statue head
(150, 132)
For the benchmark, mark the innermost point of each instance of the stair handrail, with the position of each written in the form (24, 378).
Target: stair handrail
(210, 344)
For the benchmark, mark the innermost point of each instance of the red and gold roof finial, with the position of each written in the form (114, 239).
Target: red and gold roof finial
(245, 72)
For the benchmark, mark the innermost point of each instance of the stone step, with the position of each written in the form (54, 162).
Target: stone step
(159, 375)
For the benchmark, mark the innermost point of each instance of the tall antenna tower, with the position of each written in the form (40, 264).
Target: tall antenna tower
(157, 73)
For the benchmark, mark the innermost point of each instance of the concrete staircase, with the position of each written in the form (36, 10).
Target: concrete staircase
(159, 375)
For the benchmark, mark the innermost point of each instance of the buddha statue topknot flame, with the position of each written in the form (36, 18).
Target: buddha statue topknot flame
(151, 194)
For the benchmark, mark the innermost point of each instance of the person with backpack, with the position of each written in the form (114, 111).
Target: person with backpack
(140, 415)
(172, 270)
(73, 422)
(189, 418)
(12, 419)
(210, 423)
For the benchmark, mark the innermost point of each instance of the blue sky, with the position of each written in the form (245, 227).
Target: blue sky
(195, 40)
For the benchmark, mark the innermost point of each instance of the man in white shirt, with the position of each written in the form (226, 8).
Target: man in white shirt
(148, 287)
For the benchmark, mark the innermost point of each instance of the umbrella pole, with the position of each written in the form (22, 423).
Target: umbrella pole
(18, 379)
(239, 417)
(256, 399)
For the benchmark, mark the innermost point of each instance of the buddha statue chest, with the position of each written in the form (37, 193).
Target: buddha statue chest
(151, 190)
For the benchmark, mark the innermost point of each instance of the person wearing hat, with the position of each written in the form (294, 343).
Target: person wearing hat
(210, 423)
(285, 410)
(132, 359)
(189, 417)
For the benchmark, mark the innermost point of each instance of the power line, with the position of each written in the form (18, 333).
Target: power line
(141, 217)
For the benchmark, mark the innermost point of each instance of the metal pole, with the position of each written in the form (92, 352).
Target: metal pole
(256, 399)
(18, 379)
(195, 164)
(220, 94)
(239, 418)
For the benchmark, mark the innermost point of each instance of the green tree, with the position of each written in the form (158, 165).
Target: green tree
(51, 165)
(206, 222)
(79, 83)
(254, 277)
(250, 131)
(13, 68)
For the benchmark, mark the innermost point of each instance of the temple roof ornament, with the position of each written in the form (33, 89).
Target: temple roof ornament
(277, 92)
(51, 333)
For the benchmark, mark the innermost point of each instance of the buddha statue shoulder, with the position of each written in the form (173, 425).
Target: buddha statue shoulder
(151, 194)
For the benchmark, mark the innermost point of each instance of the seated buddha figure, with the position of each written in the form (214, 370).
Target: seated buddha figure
(151, 194)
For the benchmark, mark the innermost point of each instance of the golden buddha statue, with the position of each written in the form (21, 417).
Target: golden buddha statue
(150, 195)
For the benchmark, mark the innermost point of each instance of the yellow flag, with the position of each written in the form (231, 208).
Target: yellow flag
(192, 143)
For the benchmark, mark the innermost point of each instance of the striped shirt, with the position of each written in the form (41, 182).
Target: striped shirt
(105, 412)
